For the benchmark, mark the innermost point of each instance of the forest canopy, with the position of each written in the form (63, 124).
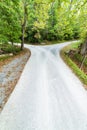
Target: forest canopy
(37, 20)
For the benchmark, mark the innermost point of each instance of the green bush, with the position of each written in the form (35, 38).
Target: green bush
(8, 48)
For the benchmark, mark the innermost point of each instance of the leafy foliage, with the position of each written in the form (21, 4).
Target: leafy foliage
(10, 29)
(38, 20)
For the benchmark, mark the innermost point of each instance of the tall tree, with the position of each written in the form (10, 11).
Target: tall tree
(9, 22)
(23, 17)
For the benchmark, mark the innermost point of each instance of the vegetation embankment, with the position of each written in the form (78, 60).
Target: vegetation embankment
(9, 52)
(7, 49)
(76, 61)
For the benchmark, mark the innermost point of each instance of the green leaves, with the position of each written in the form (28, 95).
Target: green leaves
(45, 19)
(9, 22)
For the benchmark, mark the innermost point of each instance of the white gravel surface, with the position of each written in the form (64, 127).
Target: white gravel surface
(48, 95)
(9, 75)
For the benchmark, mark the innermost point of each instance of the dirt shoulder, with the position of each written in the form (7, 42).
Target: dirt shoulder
(10, 72)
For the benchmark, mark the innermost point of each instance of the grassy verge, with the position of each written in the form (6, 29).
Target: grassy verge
(2, 58)
(8, 50)
(80, 74)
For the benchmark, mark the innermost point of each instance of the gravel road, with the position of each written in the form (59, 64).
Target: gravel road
(48, 95)
(9, 76)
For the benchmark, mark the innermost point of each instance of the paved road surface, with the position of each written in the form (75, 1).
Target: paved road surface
(47, 97)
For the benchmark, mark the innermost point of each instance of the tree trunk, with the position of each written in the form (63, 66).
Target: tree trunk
(24, 24)
(22, 42)
(84, 48)
(71, 2)
(82, 61)
(12, 43)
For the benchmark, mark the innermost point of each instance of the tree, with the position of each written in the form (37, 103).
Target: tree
(37, 20)
(23, 18)
(9, 22)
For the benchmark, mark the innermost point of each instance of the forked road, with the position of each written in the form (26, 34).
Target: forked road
(48, 95)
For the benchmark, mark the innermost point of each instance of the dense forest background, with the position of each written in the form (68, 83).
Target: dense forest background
(38, 20)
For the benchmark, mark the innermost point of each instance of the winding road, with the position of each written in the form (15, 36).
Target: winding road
(48, 95)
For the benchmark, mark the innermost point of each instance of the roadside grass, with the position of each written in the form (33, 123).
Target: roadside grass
(80, 74)
(2, 58)
(8, 50)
